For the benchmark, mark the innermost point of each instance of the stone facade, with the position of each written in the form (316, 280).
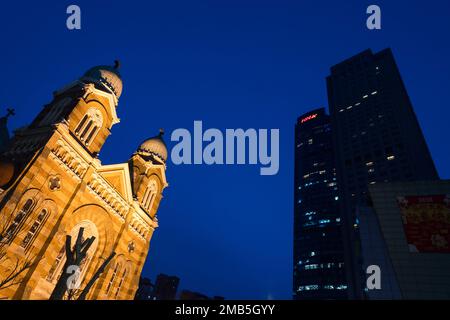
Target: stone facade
(60, 185)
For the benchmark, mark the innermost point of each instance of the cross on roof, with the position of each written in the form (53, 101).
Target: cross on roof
(10, 112)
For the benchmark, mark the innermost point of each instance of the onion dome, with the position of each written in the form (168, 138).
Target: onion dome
(106, 76)
(155, 147)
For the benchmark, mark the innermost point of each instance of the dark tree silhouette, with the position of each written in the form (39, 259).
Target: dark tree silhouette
(95, 277)
(13, 276)
(74, 256)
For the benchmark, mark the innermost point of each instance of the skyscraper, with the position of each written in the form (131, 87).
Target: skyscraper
(376, 137)
(318, 246)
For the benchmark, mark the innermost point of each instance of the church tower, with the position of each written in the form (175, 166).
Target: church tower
(53, 184)
(148, 165)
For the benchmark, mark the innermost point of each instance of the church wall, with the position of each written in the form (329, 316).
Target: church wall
(80, 111)
(64, 179)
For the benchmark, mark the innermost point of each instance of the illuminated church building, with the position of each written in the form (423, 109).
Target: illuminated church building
(52, 184)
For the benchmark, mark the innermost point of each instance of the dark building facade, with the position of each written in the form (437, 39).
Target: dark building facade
(318, 246)
(376, 138)
(413, 246)
(145, 290)
(166, 287)
(190, 295)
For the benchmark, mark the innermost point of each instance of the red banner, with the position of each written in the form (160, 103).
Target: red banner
(426, 221)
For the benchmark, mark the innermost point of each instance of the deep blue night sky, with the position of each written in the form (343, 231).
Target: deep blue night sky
(224, 230)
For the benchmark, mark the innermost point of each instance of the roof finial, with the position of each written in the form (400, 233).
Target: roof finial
(161, 131)
(116, 64)
(10, 112)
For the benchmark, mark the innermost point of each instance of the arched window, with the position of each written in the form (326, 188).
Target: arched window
(56, 265)
(89, 126)
(35, 227)
(19, 219)
(113, 277)
(149, 196)
(55, 111)
(121, 281)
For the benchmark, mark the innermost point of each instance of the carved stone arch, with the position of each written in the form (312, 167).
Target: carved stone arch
(101, 218)
(112, 274)
(160, 183)
(90, 124)
(158, 179)
(89, 214)
(150, 190)
(153, 183)
(48, 204)
(97, 104)
(90, 230)
(124, 274)
(34, 194)
(42, 212)
(119, 259)
(108, 100)
(148, 179)
(129, 265)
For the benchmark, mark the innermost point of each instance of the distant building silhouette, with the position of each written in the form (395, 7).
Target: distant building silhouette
(166, 287)
(145, 290)
(191, 295)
